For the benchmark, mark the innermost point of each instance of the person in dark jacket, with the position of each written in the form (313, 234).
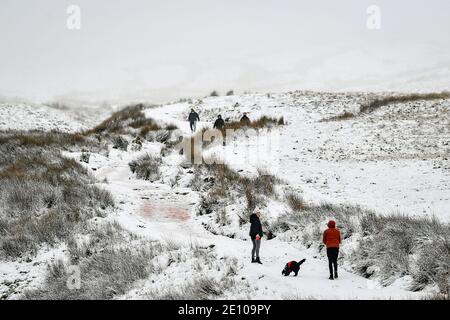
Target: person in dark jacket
(256, 234)
(245, 120)
(219, 123)
(332, 240)
(193, 118)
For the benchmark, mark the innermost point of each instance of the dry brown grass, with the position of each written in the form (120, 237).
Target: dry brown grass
(384, 101)
(386, 243)
(120, 119)
(198, 140)
(45, 139)
(145, 129)
(295, 202)
(43, 197)
(129, 117)
(146, 167)
(343, 116)
(108, 267)
(259, 123)
(227, 180)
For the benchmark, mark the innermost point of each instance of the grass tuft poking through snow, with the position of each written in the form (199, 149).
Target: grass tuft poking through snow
(212, 278)
(199, 289)
(224, 181)
(43, 197)
(384, 101)
(146, 167)
(114, 262)
(222, 186)
(51, 139)
(295, 201)
(130, 117)
(388, 246)
(108, 266)
(262, 122)
(387, 100)
(401, 245)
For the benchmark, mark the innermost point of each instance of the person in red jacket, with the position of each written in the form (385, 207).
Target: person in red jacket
(332, 239)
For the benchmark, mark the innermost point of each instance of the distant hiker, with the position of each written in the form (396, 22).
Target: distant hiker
(256, 234)
(219, 123)
(193, 118)
(332, 239)
(245, 120)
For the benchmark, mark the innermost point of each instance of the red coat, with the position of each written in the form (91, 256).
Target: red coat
(332, 236)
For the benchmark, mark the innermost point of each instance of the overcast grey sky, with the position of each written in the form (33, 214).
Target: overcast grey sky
(161, 50)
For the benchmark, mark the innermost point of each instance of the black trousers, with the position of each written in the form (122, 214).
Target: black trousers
(332, 254)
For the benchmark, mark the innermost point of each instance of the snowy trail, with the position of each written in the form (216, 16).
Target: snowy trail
(159, 212)
(141, 201)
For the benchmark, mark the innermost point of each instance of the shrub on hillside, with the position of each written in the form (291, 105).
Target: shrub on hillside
(146, 168)
(393, 240)
(120, 119)
(51, 139)
(389, 247)
(111, 260)
(84, 157)
(295, 202)
(223, 186)
(130, 117)
(120, 143)
(108, 267)
(43, 198)
(259, 123)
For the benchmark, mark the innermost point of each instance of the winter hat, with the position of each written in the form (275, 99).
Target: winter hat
(331, 224)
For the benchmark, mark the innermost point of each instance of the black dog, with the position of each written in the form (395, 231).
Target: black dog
(292, 266)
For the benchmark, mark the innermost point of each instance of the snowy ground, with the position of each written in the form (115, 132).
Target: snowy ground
(156, 211)
(26, 116)
(394, 160)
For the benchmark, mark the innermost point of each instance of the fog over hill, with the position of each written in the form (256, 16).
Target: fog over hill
(151, 50)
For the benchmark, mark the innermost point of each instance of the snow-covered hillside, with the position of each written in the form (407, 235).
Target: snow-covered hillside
(392, 160)
(396, 159)
(64, 118)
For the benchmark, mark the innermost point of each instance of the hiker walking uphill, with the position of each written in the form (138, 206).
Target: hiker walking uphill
(193, 118)
(245, 120)
(332, 240)
(219, 123)
(256, 234)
